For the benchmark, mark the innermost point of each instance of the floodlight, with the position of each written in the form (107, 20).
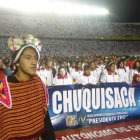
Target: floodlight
(53, 7)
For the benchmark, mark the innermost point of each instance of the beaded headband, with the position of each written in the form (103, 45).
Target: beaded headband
(20, 43)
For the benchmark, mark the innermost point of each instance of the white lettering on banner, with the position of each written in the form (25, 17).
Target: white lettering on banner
(57, 108)
(129, 138)
(102, 119)
(135, 127)
(89, 135)
(123, 94)
(122, 129)
(67, 101)
(86, 100)
(118, 102)
(94, 99)
(110, 103)
(77, 100)
(102, 98)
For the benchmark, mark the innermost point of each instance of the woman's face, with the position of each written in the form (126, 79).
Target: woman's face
(92, 65)
(138, 79)
(112, 68)
(50, 64)
(73, 64)
(62, 72)
(43, 66)
(79, 65)
(121, 65)
(137, 64)
(88, 71)
(65, 63)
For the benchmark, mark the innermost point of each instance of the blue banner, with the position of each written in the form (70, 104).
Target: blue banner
(75, 106)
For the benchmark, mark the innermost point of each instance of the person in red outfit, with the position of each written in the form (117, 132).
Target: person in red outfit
(136, 79)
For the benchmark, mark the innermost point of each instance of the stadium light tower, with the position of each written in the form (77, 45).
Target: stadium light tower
(53, 7)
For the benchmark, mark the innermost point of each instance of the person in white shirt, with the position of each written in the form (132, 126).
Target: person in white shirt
(122, 73)
(87, 78)
(42, 73)
(95, 71)
(72, 66)
(62, 78)
(50, 72)
(77, 71)
(135, 70)
(101, 65)
(127, 68)
(110, 75)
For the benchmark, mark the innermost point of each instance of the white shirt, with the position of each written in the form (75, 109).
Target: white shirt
(82, 79)
(96, 73)
(62, 81)
(49, 76)
(43, 75)
(76, 73)
(108, 77)
(123, 75)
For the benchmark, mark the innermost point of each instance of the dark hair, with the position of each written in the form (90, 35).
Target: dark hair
(119, 62)
(109, 64)
(92, 62)
(77, 63)
(15, 54)
(62, 67)
(86, 68)
(134, 65)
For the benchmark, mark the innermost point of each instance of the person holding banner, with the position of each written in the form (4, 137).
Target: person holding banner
(110, 75)
(136, 79)
(62, 78)
(78, 71)
(87, 78)
(135, 70)
(23, 96)
(95, 71)
(122, 73)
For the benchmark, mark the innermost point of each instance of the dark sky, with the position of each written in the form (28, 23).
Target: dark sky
(120, 10)
(124, 10)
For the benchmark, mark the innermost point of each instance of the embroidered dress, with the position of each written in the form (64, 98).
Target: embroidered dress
(23, 117)
(2, 74)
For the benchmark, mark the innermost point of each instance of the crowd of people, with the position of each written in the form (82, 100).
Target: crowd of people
(57, 47)
(93, 69)
(97, 60)
(27, 73)
(54, 26)
(89, 70)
